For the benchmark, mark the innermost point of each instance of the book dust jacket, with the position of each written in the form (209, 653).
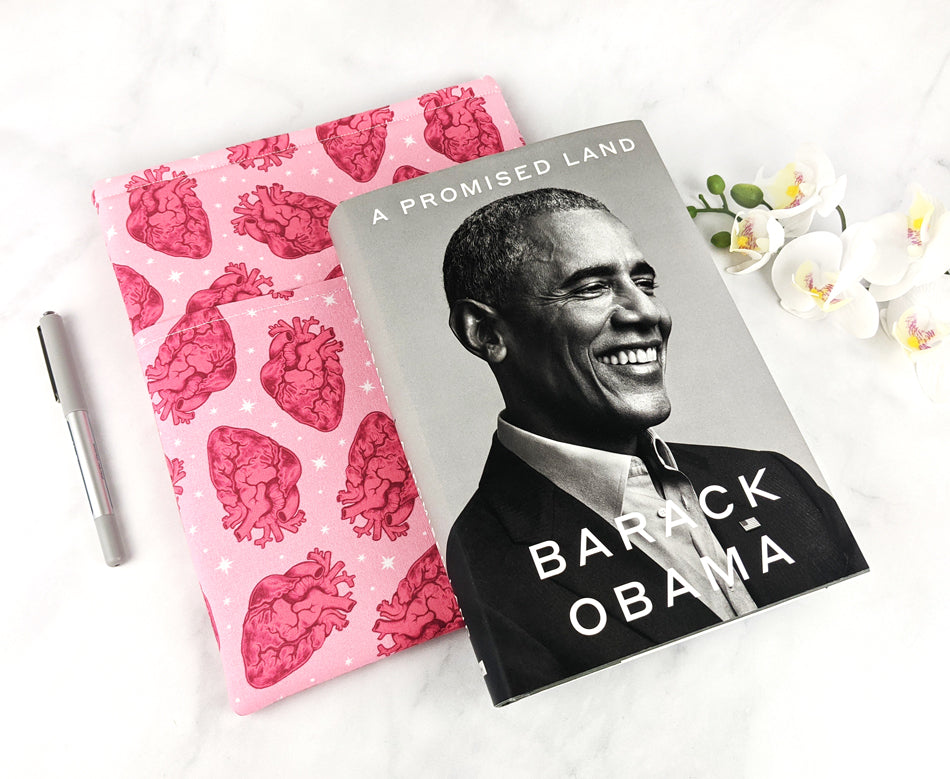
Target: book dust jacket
(604, 457)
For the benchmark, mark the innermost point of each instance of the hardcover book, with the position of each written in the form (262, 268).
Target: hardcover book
(601, 449)
(311, 546)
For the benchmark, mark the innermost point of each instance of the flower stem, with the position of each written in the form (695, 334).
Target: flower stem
(708, 209)
(844, 222)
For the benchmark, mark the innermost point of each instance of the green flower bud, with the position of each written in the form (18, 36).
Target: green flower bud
(715, 184)
(747, 195)
(721, 240)
(691, 210)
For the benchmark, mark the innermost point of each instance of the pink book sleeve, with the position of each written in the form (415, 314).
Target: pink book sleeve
(310, 543)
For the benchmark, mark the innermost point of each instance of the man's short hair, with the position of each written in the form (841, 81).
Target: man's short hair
(487, 250)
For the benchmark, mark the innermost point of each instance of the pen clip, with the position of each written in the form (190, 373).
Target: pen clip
(49, 368)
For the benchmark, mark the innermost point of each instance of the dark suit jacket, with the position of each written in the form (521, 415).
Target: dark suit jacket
(520, 624)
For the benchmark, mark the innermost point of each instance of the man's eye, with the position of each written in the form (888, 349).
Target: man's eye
(647, 284)
(592, 289)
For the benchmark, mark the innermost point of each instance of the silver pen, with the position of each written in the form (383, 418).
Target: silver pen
(68, 391)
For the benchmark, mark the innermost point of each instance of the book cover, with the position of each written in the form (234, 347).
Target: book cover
(311, 547)
(602, 452)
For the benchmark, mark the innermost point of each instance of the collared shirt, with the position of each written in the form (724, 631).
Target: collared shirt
(648, 483)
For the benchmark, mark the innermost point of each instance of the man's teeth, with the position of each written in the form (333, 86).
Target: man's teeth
(625, 356)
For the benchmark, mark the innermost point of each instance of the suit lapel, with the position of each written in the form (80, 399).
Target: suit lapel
(533, 510)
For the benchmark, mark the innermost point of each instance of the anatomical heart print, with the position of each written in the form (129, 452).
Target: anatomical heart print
(312, 547)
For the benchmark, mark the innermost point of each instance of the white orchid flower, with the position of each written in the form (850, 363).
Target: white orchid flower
(801, 189)
(819, 275)
(756, 235)
(919, 321)
(912, 248)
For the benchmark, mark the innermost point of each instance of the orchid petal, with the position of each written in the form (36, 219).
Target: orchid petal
(812, 155)
(885, 292)
(936, 259)
(920, 321)
(860, 317)
(821, 249)
(757, 235)
(749, 265)
(832, 195)
(889, 263)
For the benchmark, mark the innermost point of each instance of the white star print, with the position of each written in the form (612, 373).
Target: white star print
(225, 565)
(199, 494)
(409, 141)
(330, 300)
(175, 276)
(319, 463)
(367, 386)
(361, 558)
(325, 529)
(389, 562)
(111, 232)
(248, 406)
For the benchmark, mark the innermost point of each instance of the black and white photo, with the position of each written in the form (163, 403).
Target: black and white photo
(605, 460)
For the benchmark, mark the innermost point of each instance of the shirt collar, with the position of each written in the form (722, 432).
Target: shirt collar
(594, 477)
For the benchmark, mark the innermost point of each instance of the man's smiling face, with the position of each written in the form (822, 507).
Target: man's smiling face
(585, 336)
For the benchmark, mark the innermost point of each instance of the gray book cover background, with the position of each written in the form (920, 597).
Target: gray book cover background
(445, 400)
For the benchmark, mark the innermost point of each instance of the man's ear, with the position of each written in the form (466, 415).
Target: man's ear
(479, 328)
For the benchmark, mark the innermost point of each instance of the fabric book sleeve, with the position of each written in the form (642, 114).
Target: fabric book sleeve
(311, 545)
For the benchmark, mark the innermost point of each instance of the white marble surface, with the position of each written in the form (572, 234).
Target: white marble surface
(113, 672)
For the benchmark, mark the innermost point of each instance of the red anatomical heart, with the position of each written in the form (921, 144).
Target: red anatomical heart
(143, 302)
(195, 359)
(167, 216)
(379, 486)
(356, 144)
(290, 616)
(406, 172)
(256, 482)
(458, 126)
(263, 153)
(422, 607)
(292, 224)
(197, 356)
(304, 374)
(176, 470)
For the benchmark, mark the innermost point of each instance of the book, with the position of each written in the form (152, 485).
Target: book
(311, 547)
(547, 324)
